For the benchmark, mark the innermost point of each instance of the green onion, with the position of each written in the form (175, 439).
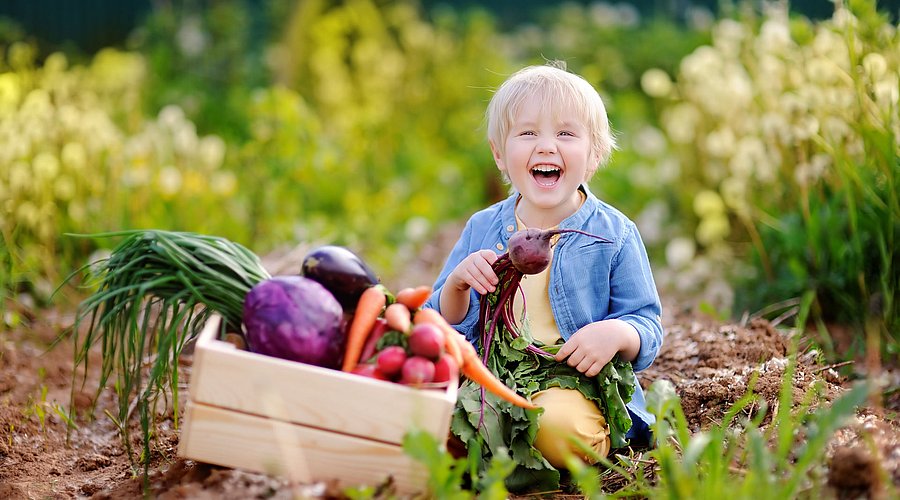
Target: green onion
(152, 295)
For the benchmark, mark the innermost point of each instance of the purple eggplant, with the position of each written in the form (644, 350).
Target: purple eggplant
(341, 272)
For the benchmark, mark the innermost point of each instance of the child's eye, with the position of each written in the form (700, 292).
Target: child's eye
(566, 133)
(527, 132)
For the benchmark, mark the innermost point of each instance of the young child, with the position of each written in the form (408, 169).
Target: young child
(549, 132)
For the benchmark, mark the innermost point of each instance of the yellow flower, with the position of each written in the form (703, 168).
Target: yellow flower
(45, 166)
(708, 203)
(223, 183)
(64, 188)
(713, 229)
(74, 156)
(10, 92)
(19, 177)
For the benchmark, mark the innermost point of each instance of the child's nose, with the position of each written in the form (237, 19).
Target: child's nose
(546, 145)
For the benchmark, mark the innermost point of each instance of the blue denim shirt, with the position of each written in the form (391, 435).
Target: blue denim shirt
(590, 280)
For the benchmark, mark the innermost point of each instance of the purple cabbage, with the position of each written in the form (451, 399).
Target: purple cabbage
(295, 318)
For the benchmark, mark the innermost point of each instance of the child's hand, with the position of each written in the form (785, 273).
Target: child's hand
(475, 271)
(589, 349)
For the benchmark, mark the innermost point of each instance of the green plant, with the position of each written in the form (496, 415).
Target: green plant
(151, 295)
(738, 458)
(447, 476)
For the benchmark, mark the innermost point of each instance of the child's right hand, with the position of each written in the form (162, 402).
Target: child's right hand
(475, 271)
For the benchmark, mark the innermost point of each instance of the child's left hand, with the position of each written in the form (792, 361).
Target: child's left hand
(593, 346)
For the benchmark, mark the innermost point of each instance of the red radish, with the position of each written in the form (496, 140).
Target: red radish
(426, 340)
(445, 369)
(417, 370)
(391, 360)
(381, 327)
(371, 371)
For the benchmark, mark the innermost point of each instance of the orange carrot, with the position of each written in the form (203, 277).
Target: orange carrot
(369, 307)
(450, 334)
(477, 372)
(397, 317)
(413, 298)
(469, 363)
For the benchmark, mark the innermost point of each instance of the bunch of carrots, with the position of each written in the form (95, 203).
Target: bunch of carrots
(379, 312)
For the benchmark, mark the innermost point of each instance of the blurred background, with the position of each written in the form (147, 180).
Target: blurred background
(759, 140)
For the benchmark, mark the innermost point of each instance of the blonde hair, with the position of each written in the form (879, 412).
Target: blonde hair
(558, 89)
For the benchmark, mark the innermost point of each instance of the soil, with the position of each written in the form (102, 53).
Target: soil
(710, 364)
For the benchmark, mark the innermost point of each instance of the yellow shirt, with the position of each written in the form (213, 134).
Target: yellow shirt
(567, 414)
(537, 302)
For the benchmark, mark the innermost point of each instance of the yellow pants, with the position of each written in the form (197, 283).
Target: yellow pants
(569, 415)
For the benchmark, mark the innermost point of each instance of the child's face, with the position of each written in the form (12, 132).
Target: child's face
(547, 155)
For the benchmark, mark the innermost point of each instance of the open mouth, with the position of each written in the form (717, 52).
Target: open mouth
(546, 175)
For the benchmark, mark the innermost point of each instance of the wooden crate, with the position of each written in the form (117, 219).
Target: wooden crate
(303, 422)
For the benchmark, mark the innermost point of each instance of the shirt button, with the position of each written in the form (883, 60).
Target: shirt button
(499, 246)
(510, 228)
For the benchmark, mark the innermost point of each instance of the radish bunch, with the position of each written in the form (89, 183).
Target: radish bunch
(417, 359)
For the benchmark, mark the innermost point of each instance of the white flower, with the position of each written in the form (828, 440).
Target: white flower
(681, 121)
(887, 93)
(650, 221)
(73, 156)
(211, 151)
(680, 251)
(171, 117)
(192, 40)
(656, 83)
(169, 181)
(650, 141)
(774, 36)
(806, 127)
(720, 143)
(734, 194)
(875, 65)
(749, 153)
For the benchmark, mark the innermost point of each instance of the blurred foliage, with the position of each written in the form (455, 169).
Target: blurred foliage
(791, 189)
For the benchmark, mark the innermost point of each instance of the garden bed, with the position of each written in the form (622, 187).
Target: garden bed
(710, 364)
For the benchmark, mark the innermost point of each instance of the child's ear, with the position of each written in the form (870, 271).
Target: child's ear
(498, 157)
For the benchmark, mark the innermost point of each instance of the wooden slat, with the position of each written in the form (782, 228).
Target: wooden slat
(252, 383)
(296, 452)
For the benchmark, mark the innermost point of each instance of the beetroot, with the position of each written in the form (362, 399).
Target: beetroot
(529, 253)
(417, 370)
(426, 340)
(295, 318)
(529, 250)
